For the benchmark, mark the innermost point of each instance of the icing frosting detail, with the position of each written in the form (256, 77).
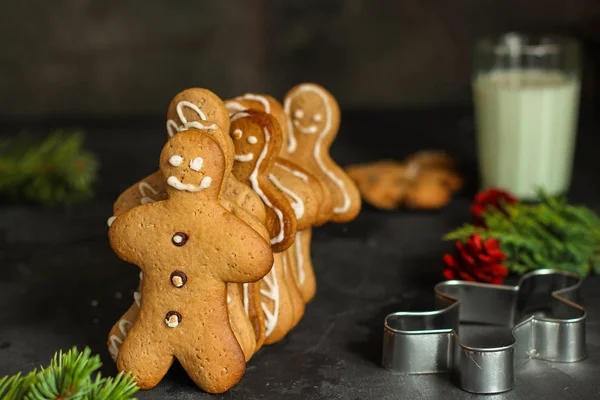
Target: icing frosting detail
(237, 134)
(233, 107)
(138, 299)
(179, 239)
(297, 203)
(261, 194)
(261, 99)
(244, 157)
(176, 183)
(176, 160)
(111, 220)
(317, 150)
(173, 128)
(299, 259)
(294, 172)
(239, 115)
(144, 188)
(196, 163)
(172, 319)
(252, 140)
(308, 130)
(115, 343)
(272, 292)
(125, 326)
(245, 299)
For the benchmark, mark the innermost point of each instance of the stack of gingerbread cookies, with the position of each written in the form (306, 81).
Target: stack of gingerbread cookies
(222, 232)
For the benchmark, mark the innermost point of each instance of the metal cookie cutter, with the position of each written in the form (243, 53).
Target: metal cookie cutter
(427, 342)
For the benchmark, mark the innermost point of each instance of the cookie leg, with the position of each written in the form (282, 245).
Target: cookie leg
(239, 320)
(304, 274)
(289, 268)
(146, 357)
(276, 302)
(212, 359)
(252, 304)
(120, 329)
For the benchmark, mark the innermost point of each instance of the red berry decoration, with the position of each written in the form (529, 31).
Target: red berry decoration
(491, 198)
(476, 260)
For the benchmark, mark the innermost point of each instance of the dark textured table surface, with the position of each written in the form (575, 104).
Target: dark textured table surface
(61, 285)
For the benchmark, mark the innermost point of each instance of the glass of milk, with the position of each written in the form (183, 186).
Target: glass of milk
(526, 95)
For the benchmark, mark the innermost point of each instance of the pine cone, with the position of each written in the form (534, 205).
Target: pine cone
(476, 260)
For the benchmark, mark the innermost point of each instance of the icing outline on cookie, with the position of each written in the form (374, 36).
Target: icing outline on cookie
(256, 187)
(292, 145)
(273, 293)
(173, 181)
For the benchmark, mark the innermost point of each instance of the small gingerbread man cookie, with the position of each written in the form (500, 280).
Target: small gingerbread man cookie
(188, 247)
(257, 138)
(313, 122)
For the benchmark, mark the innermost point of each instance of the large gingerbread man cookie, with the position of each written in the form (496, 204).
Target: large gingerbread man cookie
(190, 109)
(188, 247)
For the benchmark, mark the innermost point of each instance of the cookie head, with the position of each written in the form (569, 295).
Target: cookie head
(259, 102)
(192, 162)
(256, 138)
(312, 113)
(196, 108)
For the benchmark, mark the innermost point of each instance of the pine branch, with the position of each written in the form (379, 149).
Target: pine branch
(550, 234)
(53, 171)
(68, 377)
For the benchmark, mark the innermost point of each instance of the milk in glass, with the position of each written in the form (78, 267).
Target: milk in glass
(526, 124)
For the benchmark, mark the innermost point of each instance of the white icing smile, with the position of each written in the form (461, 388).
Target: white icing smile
(244, 157)
(309, 130)
(177, 184)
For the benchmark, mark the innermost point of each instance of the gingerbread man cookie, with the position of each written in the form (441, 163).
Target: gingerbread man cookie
(188, 248)
(189, 109)
(257, 138)
(425, 180)
(313, 122)
(307, 195)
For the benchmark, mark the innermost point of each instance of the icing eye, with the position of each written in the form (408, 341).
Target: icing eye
(196, 163)
(317, 118)
(179, 239)
(237, 134)
(252, 139)
(176, 160)
(298, 113)
(172, 319)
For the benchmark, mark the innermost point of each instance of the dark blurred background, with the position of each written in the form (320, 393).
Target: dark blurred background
(81, 58)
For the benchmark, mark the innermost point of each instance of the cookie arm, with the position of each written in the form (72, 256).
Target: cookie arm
(250, 257)
(148, 190)
(126, 233)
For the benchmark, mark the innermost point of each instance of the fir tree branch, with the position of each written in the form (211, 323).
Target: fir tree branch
(68, 377)
(550, 234)
(53, 171)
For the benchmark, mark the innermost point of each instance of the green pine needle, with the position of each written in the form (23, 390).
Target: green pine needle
(68, 377)
(51, 172)
(550, 234)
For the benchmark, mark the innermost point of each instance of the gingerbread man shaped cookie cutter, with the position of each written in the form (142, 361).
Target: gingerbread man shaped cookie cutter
(428, 342)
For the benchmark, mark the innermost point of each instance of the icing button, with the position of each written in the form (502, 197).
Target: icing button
(179, 239)
(172, 319)
(178, 278)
